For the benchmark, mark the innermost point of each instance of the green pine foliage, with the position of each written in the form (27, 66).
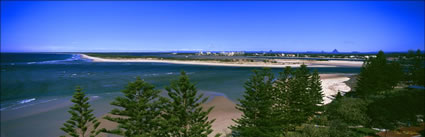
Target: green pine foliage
(295, 96)
(82, 117)
(416, 69)
(139, 112)
(272, 107)
(283, 100)
(184, 113)
(257, 119)
(397, 109)
(311, 131)
(378, 75)
(302, 94)
(351, 111)
(314, 94)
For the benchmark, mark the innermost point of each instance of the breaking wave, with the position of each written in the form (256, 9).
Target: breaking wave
(26, 101)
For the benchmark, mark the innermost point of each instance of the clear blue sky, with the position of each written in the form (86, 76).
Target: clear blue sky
(213, 25)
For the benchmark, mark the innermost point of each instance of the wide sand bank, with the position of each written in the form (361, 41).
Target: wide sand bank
(281, 63)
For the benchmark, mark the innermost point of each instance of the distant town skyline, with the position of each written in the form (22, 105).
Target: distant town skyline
(143, 26)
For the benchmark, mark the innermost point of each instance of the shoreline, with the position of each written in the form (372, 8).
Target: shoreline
(284, 62)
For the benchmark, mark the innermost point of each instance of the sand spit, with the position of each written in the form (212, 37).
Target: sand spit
(282, 62)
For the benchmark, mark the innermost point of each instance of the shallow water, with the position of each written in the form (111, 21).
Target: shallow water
(36, 88)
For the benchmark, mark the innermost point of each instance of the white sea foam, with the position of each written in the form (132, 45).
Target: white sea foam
(31, 104)
(45, 101)
(26, 101)
(74, 57)
(151, 74)
(4, 108)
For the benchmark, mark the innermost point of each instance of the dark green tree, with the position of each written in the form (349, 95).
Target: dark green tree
(82, 117)
(394, 74)
(272, 107)
(257, 119)
(315, 93)
(340, 118)
(139, 112)
(297, 97)
(303, 96)
(351, 111)
(282, 99)
(311, 131)
(185, 115)
(377, 76)
(416, 69)
(400, 108)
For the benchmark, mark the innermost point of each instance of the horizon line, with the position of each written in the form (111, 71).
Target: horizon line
(183, 51)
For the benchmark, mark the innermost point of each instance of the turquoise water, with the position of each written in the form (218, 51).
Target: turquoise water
(35, 88)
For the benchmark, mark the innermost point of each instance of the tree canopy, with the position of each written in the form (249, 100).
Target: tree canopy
(257, 119)
(378, 75)
(184, 113)
(272, 107)
(139, 112)
(82, 117)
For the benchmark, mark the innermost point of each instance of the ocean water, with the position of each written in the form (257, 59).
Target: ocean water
(36, 87)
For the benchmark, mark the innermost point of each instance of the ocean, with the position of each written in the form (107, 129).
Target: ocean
(36, 87)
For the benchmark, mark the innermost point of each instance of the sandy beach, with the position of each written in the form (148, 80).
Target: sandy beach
(223, 113)
(224, 109)
(332, 84)
(281, 63)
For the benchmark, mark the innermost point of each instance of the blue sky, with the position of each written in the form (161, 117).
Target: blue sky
(57, 26)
